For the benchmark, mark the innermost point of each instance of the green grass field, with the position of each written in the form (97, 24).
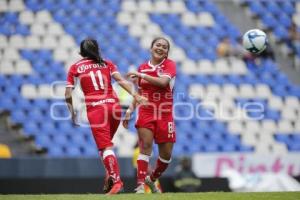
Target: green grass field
(165, 196)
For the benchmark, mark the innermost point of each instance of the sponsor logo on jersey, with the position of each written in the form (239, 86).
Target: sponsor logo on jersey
(83, 68)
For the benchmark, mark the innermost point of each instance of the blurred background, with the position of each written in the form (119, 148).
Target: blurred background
(237, 115)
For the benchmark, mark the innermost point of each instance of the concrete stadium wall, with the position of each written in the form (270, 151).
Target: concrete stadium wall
(77, 175)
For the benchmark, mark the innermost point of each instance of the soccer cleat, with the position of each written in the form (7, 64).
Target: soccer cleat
(152, 185)
(116, 188)
(108, 183)
(140, 189)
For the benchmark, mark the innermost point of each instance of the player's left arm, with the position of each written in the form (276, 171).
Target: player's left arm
(129, 88)
(128, 113)
(163, 80)
(68, 92)
(69, 101)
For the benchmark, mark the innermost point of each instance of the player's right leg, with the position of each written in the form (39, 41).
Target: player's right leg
(101, 132)
(108, 183)
(112, 167)
(145, 145)
(165, 137)
(152, 185)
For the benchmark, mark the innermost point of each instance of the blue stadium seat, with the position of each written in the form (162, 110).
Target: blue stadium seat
(179, 150)
(64, 126)
(243, 148)
(273, 8)
(280, 90)
(285, 20)
(232, 139)
(56, 151)
(256, 7)
(31, 128)
(282, 138)
(296, 137)
(61, 139)
(194, 6)
(272, 114)
(215, 137)
(228, 147)
(36, 114)
(211, 147)
(48, 126)
(18, 116)
(269, 20)
(7, 104)
(199, 136)
(281, 32)
(74, 151)
(43, 140)
(90, 151)
(294, 147)
(51, 5)
(41, 103)
(220, 127)
(287, 7)
(234, 79)
(34, 5)
(22, 30)
(78, 139)
(28, 54)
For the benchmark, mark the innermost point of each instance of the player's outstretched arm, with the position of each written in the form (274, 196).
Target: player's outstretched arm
(69, 101)
(129, 88)
(162, 81)
(128, 113)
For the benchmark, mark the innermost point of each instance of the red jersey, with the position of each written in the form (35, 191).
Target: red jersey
(95, 81)
(157, 95)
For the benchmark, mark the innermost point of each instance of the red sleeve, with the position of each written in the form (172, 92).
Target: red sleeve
(113, 68)
(139, 79)
(169, 70)
(71, 76)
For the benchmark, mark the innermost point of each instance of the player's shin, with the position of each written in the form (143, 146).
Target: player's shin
(142, 168)
(111, 165)
(161, 166)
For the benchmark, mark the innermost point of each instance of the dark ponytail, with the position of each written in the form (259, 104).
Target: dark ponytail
(89, 48)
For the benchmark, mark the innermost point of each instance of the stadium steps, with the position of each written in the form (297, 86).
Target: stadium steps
(11, 135)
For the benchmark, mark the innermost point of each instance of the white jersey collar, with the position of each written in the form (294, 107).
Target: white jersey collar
(154, 66)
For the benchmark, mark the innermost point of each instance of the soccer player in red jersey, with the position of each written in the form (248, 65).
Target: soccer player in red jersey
(103, 108)
(155, 80)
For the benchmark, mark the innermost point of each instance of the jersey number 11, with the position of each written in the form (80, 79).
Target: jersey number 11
(94, 79)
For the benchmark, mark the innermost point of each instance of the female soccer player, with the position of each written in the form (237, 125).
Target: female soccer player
(103, 108)
(155, 120)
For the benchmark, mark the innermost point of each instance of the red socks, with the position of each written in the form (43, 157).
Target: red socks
(161, 166)
(111, 165)
(142, 168)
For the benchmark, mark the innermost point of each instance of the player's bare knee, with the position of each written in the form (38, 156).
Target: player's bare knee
(168, 157)
(147, 147)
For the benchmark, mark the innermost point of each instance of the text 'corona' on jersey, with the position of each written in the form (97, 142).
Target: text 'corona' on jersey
(83, 68)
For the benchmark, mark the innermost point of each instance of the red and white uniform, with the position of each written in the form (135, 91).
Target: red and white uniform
(158, 114)
(103, 108)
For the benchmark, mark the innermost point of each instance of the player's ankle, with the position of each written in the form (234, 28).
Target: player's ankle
(152, 178)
